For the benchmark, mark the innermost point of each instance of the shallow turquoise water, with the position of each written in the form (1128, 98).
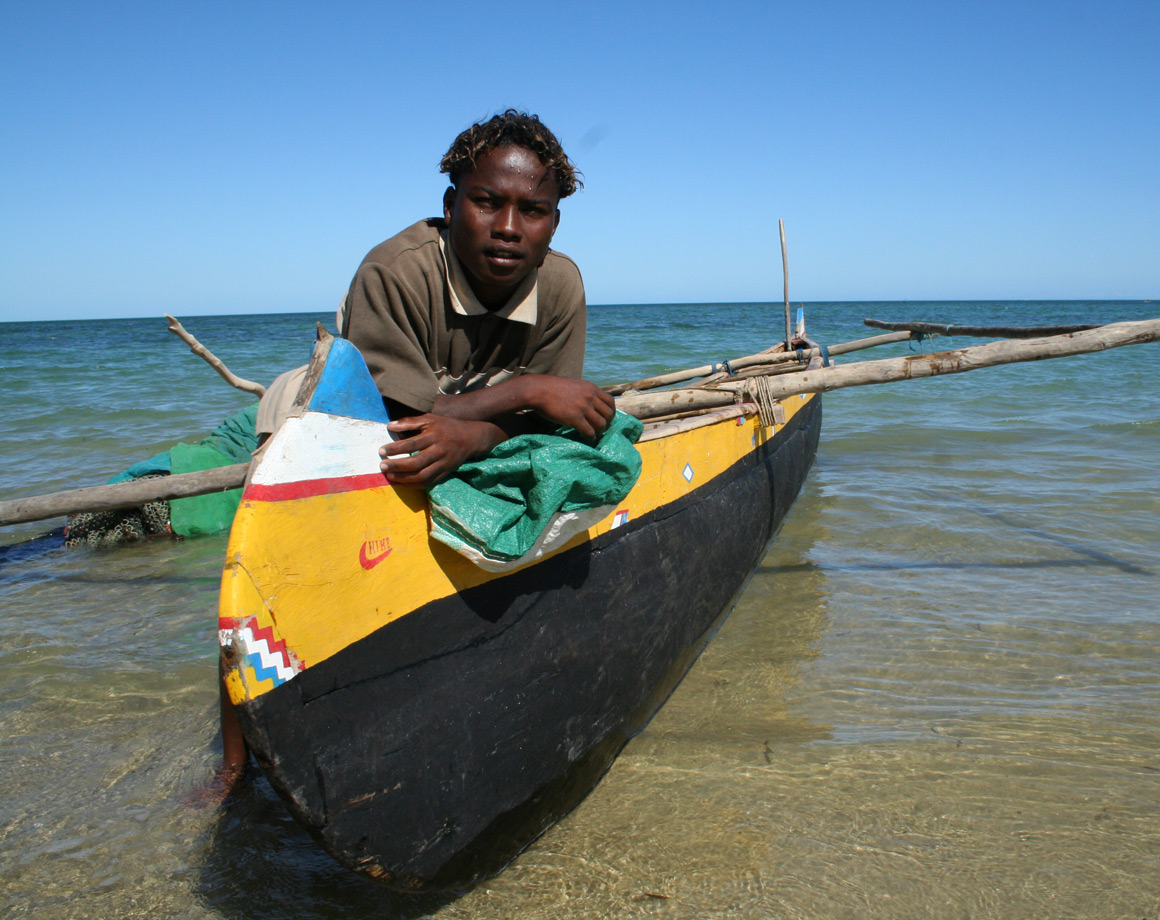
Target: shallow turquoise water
(938, 696)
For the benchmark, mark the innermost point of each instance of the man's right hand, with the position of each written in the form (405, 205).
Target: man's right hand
(435, 449)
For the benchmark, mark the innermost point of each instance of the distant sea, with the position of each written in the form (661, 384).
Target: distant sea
(938, 697)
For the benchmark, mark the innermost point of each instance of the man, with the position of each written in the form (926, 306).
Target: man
(472, 327)
(467, 321)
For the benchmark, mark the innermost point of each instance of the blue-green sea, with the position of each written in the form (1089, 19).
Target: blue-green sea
(939, 695)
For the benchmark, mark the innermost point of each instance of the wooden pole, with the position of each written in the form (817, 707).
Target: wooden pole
(668, 402)
(644, 406)
(890, 370)
(122, 494)
(785, 280)
(757, 360)
(999, 332)
(993, 354)
(904, 332)
(213, 360)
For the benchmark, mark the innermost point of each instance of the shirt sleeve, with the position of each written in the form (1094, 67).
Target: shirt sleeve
(562, 320)
(385, 323)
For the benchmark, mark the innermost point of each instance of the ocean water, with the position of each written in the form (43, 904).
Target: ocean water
(939, 695)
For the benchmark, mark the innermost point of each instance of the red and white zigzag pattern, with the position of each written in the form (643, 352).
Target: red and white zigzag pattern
(266, 653)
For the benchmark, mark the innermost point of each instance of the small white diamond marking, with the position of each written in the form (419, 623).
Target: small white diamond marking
(687, 472)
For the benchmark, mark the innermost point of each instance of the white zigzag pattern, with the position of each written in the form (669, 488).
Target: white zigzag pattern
(261, 648)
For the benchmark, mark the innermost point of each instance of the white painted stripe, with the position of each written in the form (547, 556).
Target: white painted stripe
(317, 446)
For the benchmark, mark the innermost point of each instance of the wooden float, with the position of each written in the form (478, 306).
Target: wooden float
(425, 719)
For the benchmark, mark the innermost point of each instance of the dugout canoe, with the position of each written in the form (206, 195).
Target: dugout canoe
(424, 719)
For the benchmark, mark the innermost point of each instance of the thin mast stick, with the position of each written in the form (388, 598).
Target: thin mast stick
(785, 277)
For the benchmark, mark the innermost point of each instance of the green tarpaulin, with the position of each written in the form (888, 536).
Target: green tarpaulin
(533, 492)
(231, 442)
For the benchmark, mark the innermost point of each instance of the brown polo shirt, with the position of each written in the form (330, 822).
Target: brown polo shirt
(422, 331)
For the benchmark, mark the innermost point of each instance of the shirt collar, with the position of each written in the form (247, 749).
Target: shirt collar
(520, 308)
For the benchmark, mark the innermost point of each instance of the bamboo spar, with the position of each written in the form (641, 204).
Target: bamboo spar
(890, 370)
(647, 405)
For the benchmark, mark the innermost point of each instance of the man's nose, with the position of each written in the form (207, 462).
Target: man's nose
(506, 224)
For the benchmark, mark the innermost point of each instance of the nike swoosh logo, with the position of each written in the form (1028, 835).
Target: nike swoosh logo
(369, 563)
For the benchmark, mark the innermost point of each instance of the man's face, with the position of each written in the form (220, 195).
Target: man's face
(502, 216)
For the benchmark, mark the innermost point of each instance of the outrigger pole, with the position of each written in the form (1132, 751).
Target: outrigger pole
(117, 495)
(647, 406)
(891, 370)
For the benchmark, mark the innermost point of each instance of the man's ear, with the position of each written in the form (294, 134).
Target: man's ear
(556, 223)
(449, 204)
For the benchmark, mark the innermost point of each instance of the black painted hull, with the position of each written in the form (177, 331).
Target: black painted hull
(429, 753)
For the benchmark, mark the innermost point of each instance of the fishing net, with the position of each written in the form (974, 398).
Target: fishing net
(231, 442)
(127, 525)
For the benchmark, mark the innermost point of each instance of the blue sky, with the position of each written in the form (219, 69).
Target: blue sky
(203, 158)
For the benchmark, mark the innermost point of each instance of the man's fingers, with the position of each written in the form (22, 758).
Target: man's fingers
(427, 476)
(410, 423)
(407, 446)
(411, 465)
(593, 423)
(600, 416)
(410, 445)
(605, 407)
(423, 478)
(406, 465)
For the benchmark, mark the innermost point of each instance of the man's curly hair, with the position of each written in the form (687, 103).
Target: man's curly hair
(516, 129)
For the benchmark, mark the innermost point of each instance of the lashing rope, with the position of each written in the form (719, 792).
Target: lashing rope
(757, 390)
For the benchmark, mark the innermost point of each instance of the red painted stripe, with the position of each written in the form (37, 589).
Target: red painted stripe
(284, 491)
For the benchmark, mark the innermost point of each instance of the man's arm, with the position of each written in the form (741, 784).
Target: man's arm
(468, 425)
(562, 400)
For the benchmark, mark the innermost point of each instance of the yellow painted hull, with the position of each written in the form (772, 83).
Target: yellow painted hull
(425, 719)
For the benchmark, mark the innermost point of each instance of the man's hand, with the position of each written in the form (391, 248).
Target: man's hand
(436, 449)
(562, 400)
(575, 403)
(468, 425)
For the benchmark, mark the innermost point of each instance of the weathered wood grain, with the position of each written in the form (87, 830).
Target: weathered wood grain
(122, 494)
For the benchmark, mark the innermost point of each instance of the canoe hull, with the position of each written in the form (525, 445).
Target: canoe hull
(428, 753)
